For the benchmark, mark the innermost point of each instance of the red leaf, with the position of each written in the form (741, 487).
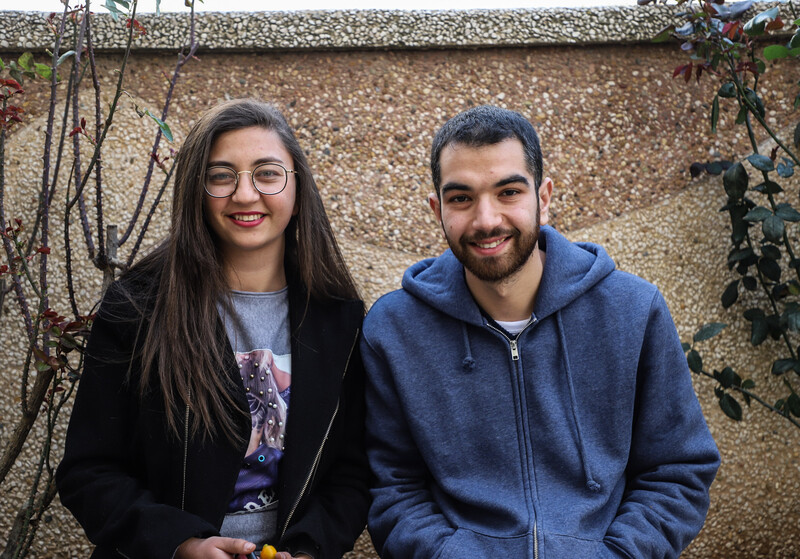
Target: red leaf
(43, 250)
(774, 25)
(76, 130)
(83, 122)
(774, 153)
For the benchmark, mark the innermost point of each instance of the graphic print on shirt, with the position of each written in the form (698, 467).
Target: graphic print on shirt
(267, 382)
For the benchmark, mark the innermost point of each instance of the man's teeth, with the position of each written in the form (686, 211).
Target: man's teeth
(251, 217)
(490, 245)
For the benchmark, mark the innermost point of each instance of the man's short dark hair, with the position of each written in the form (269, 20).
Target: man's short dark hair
(484, 126)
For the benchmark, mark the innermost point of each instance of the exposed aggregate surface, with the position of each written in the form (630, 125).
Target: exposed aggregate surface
(618, 136)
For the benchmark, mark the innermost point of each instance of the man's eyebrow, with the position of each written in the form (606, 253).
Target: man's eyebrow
(512, 179)
(454, 186)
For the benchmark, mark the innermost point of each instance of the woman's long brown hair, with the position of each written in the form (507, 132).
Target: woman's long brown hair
(181, 352)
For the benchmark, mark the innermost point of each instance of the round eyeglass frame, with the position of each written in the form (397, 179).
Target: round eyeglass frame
(252, 181)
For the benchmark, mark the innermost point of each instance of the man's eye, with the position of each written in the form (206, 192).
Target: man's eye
(459, 199)
(510, 192)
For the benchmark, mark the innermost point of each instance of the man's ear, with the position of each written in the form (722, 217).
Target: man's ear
(436, 206)
(545, 195)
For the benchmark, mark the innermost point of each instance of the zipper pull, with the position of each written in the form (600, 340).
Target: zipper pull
(514, 352)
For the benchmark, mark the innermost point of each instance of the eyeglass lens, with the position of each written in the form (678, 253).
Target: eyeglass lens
(267, 178)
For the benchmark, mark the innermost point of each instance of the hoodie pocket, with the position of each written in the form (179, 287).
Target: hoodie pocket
(556, 545)
(466, 543)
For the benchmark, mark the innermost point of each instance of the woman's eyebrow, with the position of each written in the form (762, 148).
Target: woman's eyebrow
(257, 162)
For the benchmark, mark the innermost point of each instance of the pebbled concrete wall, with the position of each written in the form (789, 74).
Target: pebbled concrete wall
(365, 91)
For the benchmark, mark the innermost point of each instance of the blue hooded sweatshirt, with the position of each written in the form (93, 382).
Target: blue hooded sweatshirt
(580, 438)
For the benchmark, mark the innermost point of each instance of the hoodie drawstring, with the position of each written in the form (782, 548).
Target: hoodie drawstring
(591, 484)
(468, 364)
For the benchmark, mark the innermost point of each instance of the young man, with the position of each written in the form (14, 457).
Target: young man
(524, 398)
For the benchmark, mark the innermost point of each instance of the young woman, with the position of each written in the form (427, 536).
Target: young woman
(221, 404)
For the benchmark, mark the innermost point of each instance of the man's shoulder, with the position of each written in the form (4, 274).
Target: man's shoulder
(393, 306)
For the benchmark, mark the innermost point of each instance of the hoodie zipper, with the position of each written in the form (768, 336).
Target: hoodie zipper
(312, 472)
(512, 342)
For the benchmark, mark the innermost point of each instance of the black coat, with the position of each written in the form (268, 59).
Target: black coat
(139, 490)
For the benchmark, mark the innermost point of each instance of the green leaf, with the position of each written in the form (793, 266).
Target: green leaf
(728, 90)
(727, 377)
(771, 251)
(759, 213)
(748, 384)
(161, 124)
(735, 181)
(794, 42)
(43, 70)
(782, 365)
(793, 403)
(2, 65)
(111, 6)
(761, 162)
(64, 56)
(664, 35)
(730, 407)
(756, 26)
(695, 361)
(758, 332)
(797, 136)
(774, 52)
(711, 329)
(785, 170)
(731, 294)
(25, 61)
(750, 283)
(787, 213)
(714, 114)
(685, 347)
(41, 366)
(770, 269)
(68, 341)
(773, 228)
(741, 116)
(768, 187)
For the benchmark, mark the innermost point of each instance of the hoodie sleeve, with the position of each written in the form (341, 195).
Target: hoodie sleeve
(404, 520)
(96, 480)
(673, 457)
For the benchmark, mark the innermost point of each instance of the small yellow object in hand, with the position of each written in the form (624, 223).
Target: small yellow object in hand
(268, 552)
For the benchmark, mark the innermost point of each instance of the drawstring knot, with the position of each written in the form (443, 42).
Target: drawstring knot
(468, 364)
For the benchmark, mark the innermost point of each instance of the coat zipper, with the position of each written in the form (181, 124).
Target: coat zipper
(515, 357)
(318, 456)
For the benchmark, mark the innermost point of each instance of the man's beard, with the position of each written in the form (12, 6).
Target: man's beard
(496, 268)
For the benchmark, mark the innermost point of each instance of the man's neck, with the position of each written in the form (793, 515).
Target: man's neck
(514, 297)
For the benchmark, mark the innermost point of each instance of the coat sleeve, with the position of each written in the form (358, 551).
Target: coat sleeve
(96, 479)
(673, 458)
(404, 520)
(335, 512)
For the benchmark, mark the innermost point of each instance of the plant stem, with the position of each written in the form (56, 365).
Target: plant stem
(759, 400)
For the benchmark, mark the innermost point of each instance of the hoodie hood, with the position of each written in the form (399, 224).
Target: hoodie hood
(570, 270)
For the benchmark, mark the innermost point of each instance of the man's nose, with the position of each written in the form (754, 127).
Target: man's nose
(486, 216)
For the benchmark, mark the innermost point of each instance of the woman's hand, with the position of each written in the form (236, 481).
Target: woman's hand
(213, 548)
(287, 555)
